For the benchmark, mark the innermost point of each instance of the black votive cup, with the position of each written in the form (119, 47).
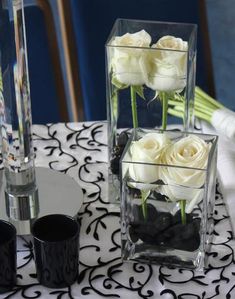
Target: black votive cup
(56, 248)
(7, 256)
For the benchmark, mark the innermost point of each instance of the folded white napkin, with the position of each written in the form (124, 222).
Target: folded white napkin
(226, 171)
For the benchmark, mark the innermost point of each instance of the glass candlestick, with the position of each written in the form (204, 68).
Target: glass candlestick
(21, 193)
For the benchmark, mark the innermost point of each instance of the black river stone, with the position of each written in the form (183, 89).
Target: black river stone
(164, 229)
(117, 152)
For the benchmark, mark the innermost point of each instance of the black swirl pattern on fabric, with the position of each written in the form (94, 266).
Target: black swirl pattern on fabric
(80, 150)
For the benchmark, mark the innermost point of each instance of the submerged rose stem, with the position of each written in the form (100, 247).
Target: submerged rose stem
(182, 210)
(134, 107)
(144, 210)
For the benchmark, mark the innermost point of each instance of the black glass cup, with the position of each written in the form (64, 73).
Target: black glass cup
(7, 256)
(56, 250)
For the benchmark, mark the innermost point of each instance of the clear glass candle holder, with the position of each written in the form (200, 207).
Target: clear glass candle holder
(150, 69)
(21, 192)
(167, 206)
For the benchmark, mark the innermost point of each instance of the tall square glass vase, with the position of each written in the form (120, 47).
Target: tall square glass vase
(150, 69)
(167, 198)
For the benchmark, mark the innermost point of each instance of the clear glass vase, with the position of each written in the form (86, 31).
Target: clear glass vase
(150, 69)
(167, 206)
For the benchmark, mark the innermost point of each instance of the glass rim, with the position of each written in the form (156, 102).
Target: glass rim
(193, 26)
(70, 218)
(145, 48)
(152, 76)
(172, 131)
(214, 141)
(183, 24)
(166, 165)
(162, 183)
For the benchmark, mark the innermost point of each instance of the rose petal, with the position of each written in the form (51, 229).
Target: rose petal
(127, 70)
(141, 172)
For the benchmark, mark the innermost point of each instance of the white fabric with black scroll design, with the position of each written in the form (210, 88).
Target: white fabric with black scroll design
(80, 151)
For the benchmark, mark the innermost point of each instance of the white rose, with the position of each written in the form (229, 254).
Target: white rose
(167, 68)
(165, 77)
(127, 61)
(176, 44)
(144, 152)
(185, 183)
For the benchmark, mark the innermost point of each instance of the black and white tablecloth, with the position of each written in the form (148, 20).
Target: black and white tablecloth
(80, 151)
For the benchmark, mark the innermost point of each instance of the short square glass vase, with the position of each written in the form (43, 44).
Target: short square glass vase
(150, 71)
(167, 197)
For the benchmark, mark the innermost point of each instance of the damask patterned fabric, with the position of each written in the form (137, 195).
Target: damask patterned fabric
(80, 150)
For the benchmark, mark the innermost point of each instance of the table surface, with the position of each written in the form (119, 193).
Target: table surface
(80, 151)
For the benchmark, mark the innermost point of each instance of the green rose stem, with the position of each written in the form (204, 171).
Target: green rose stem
(182, 210)
(204, 105)
(144, 197)
(164, 99)
(144, 209)
(134, 107)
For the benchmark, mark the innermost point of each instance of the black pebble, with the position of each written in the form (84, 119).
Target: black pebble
(177, 217)
(155, 222)
(159, 196)
(145, 233)
(114, 165)
(117, 151)
(116, 156)
(181, 236)
(140, 227)
(134, 193)
(162, 222)
(122, 139)
(138, 216)
(133, 235)
(161, 228)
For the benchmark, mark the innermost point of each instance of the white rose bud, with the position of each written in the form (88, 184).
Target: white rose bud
(144, 152)
(127, 61)
(167, 65)
(184, 183)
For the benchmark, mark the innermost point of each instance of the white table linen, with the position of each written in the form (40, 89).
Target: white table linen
(80, 150)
